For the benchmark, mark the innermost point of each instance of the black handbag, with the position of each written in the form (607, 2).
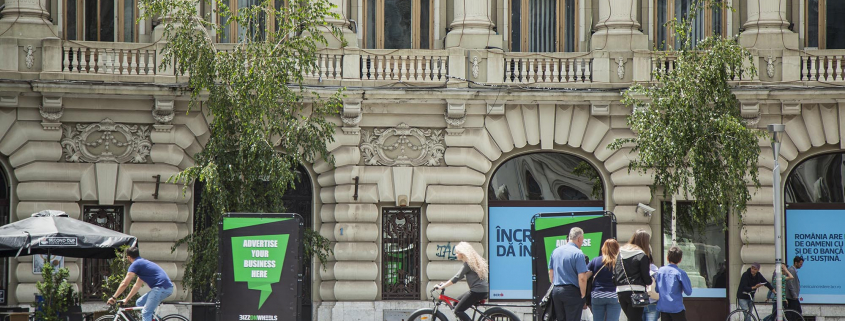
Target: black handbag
(638, 299)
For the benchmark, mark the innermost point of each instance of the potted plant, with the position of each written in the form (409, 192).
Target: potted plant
(54, 291)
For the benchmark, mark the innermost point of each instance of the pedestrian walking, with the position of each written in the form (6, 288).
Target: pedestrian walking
(672, 284)
(604, 302)
(650, 312)
(785, 277)
(631, 275)
(568, 272)
(793, 287)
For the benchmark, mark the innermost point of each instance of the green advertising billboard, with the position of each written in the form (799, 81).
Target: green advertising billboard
(550, 230)
(259, 266)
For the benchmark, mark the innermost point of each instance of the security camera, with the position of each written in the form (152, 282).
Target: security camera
(645, 209)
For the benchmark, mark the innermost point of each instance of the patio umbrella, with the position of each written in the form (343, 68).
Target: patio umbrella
(54, 233)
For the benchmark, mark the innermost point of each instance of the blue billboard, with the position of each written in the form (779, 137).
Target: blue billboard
(509, 246)
(818, 236)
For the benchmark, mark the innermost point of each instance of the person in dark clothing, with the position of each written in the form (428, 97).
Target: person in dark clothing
(604, 303)
(750, 281)
(475, 270)
(631, 273)
(793, 287)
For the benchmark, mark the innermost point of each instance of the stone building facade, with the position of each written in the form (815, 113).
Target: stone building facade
(91, 125)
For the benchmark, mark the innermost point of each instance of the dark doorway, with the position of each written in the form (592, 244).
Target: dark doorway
(300, 200)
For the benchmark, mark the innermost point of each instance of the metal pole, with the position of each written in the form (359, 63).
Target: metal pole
(776, 130)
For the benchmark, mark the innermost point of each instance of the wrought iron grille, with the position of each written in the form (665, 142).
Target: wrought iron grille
(95, 270)
(401, 253)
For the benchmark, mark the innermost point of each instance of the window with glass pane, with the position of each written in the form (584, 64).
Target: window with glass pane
(705, 251)
(100, 20)
(817, 180)
(398, 24)
(824, 26)
(546, 177)
(256, 29)
(543, 25)
(708, 22)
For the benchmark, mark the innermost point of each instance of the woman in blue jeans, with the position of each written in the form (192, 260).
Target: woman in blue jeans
(650, 312)
(605, 304)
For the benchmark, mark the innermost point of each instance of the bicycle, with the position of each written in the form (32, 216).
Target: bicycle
(745, 315)
(122, 315)
(433, 314)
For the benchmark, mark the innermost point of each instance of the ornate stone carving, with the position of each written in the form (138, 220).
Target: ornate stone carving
(106, 141)
(456, 116)
(620, 67)
(30, 59)
(750, 112)
(770, 66)
(351, 117)
(51, 111)
(163, 114)
(474, 67)
(403, 146)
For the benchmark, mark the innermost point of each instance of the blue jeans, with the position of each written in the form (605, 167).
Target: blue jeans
(606, 309)
(745, 304)
(151, 300)
(650, 312)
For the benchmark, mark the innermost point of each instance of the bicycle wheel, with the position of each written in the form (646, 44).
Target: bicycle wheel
(174, 317)
(498, 314)
(792, 315)
(427, 315)
(107, 317)
(741, 315)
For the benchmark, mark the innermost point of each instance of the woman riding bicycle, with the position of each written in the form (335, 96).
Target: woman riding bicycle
(475, 271)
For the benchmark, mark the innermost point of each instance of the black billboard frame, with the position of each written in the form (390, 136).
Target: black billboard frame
(220, 290)
(535, 298)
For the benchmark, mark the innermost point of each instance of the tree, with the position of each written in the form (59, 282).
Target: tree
(690, 134)
(263, 121)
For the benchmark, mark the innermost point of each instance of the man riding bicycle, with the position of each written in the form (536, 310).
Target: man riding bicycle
(149, 273)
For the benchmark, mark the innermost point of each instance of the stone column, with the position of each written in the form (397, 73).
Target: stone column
(26, 11)
(766, 26)
(26, 19)
(472, 27)
(617, 28)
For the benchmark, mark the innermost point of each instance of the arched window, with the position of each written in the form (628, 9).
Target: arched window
(546, 177)
(520, 188)
(814, 216)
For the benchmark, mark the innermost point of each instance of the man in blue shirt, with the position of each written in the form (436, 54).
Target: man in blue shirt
(671, 280)
(149, 273)
(568, 272)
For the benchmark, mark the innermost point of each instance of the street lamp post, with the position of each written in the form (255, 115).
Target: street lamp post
(776, 130)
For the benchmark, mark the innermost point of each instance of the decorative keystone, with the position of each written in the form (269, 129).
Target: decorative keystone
(163, 113)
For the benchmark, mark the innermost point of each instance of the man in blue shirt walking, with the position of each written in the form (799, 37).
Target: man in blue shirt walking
(149, 273)
(671, 281)
(568, 272)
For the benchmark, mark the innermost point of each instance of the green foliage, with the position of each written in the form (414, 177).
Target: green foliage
(55, 290)
(263, 121)
(118, 267)
(586, 170)
(690, 134)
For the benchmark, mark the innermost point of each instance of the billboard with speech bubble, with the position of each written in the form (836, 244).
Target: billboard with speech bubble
(259, 265)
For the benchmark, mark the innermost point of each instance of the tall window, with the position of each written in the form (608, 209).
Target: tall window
(825, 29)
(398, 24)
(257, 29)
(401, 257)
(96, 270)
(100, 20)
(708, 22)
(543, 25)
